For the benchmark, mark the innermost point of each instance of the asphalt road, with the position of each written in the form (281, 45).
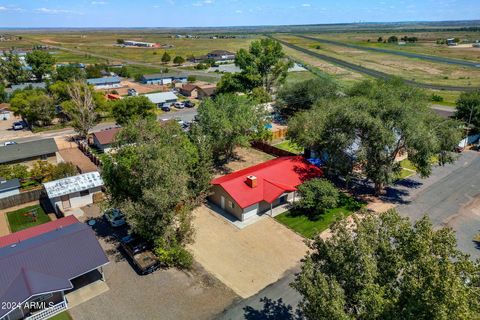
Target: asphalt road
(443, 111)
(371, 72)
(450, 197)
(458, 62)
(186, 115)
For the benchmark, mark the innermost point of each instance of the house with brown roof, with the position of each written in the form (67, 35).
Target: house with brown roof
(189, 90)
(206, 91)
(104, 139)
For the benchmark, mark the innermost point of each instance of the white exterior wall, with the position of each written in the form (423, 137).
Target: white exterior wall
(9, 193)
(76, 201)
(250, 211)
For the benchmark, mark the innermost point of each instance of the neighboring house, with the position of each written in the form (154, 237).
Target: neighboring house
(451, 42)
(4, 114)
(41, 266)
(72, 193)
(189, 90)
(22, 86)
(29, 152)
(103, 139)
(132, 43)
(9, 187)
(163, 78)
(258, 189)
(221, 56)
(206, 91)
(162, 97)
(105, 83)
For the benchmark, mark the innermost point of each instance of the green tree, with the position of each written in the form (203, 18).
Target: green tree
(392, 39)
(166, 57)
(468, 108)
(382, 267)
(260, 95)
(371, 128)
(34, 105)
(12, 69)
(81, 108)
(124, 110)
(299, 96)
(3, 94)
(44, 171)
(317, 195)
(380, 39)
(120, 41)
(124, 72)
(13, 171)
(191, 78)
(69, 73)
(152, 179)
(178, 60)
(265, 61)
(93, 71)
(230, 121)
(41, 62)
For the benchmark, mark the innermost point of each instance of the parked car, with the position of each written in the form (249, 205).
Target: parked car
(165, 107)
(189, 104)
(459, 149)
(138, 252)
(19, 125)
(178, 105)
(7, 143)
(114, 217)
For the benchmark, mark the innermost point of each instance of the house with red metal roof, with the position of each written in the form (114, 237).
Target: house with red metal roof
(260, 188)
(43, 268)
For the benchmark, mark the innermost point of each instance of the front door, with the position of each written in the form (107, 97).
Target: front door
(222, 202)
(66, 202)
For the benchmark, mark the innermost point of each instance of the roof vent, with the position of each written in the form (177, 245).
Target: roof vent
(251, 181)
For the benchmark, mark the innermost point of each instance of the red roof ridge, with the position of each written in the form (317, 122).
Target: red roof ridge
(36, 230)
(249, 170)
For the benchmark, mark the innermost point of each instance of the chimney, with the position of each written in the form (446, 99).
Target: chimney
(251, 181)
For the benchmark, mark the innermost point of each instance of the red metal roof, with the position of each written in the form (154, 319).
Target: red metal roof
(274, 177)
(37, 230)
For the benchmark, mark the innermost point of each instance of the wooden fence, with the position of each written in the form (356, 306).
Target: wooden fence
(23, 197)
(274, 151)
(83, 146)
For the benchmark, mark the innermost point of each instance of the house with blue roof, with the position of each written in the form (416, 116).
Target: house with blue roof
(105, 82)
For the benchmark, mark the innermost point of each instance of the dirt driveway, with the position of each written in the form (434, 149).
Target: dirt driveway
(164, 294)
(249, 259)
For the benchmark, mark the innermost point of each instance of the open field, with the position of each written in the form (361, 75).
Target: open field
(103, 43)
(426, 43)
(410, 69)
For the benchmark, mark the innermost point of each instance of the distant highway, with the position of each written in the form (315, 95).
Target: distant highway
(371, 72)
(458, 62)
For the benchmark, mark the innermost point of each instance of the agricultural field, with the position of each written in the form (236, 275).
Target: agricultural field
(407, 68)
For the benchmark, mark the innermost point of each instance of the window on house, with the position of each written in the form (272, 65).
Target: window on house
(84, 193)
(231, 204)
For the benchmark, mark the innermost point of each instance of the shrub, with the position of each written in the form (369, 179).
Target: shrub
(173, 254)
(317, 195)
(191, 79)
(436, 98)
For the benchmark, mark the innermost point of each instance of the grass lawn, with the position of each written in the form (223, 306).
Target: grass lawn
(287, 145)
(62, 316)
(20, 219)
(309, 226)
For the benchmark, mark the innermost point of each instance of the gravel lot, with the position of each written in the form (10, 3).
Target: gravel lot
(164, 294)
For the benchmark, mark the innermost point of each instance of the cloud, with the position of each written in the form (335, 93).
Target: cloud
(98, 3)
(3, 8)
(53, 11)
(306, 5)
(238, 11)
(201, 3)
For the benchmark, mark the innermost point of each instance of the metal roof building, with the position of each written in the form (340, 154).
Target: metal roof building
(47, 263)
(162, 97)
(73, 184)
(104, 81)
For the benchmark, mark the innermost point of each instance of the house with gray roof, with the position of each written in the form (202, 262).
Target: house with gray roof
(164, 78)
(44, 265)
(29, 152)
(160, 98)
(105, 82)
(69, 194)
(9, 188)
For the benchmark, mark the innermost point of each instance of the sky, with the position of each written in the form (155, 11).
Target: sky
(203, 13)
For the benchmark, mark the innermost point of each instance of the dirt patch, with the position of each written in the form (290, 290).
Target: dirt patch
(249, 259)
(81, 161)
(245, 157)
(140, 88)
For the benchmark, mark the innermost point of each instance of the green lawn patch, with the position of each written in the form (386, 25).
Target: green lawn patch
(287, 145)
(21, 219)
(308, 226)
(62, 316)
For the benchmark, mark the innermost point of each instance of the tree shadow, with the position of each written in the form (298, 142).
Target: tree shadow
(272, 310)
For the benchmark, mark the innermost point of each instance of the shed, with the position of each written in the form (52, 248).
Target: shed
(162, 97)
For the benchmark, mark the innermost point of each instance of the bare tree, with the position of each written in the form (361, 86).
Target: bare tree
(81, 108)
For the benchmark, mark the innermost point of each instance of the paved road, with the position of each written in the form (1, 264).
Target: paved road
(370, 72)
(443, 111)
(450, 196)
(458, 62)
(186, 115)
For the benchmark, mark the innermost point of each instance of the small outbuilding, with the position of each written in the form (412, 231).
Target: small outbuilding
(73, 192)
(105, 82)
(160, 98)
(103, 140)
